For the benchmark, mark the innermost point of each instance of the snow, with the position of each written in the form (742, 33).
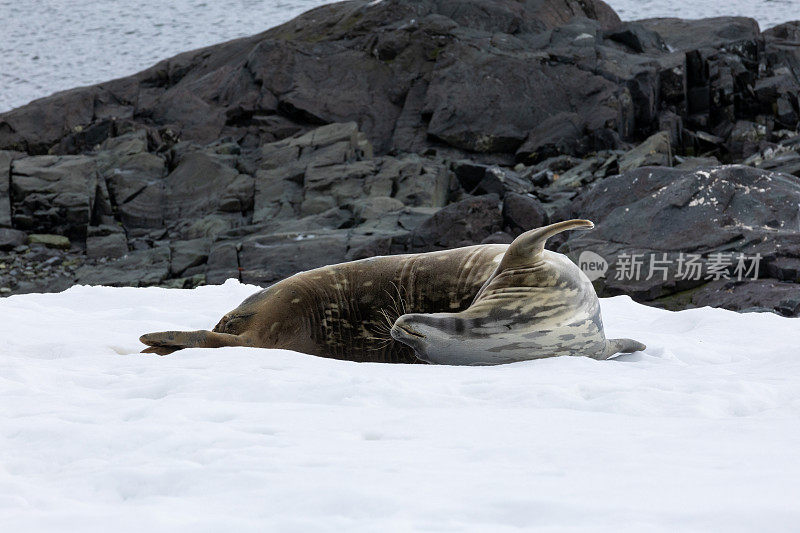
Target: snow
(698, 433)
(54, 45)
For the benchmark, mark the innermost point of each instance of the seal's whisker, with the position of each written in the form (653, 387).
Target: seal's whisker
(389, 321)
(402, 299)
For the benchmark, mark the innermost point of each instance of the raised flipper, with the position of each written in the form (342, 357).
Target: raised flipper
(526, 249)
(615, 346)
(166, 342)
(531, 243)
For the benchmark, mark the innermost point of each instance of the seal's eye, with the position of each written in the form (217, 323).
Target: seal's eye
(233, 324)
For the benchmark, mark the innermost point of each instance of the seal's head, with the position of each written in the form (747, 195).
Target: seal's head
(536, 304)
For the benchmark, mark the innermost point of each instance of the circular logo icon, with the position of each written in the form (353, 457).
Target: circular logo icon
(592, 264)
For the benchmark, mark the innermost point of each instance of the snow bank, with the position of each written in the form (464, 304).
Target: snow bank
(698, 433)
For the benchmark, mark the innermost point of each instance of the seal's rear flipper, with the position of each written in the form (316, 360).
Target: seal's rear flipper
(532, 242)
(166, 342)
(615, 346)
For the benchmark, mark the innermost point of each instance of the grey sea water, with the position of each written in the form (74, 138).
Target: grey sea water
(52, 45)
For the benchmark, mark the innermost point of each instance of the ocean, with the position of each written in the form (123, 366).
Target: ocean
(53, 45)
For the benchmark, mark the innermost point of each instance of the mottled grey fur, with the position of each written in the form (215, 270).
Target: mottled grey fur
(537, 304)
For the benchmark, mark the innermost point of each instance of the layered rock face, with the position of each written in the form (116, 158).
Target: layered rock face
(364, 128)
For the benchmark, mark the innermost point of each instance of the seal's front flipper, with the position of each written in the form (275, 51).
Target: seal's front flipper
(160, 350)
(166, 342)
(615, 346)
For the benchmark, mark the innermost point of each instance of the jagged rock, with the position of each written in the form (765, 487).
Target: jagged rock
(561, 134)
(6, 157)
(374, 209)
(223, 262)
(500, 237)
(134, 178)
(106, 241)
(238, 195)
(53, 194)
(466, 80)
(311, 173)
(691, 163)
(655, 151)
(139, 268)
(744, 138)
(49, 240)
(415, 181)
(11, 238)
(265, 260)
(330, 186)
(460, 224)
(333, 218)
(234, 151)
(637, 37)
(490, 179)
(522, 212)
(763, 294)
(346, 61)
(196, 186)
(654, 210)
(187, 254)
(679, 34)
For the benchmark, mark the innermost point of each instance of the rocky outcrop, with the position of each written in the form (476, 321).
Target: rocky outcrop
(364, 128)
(668, 231)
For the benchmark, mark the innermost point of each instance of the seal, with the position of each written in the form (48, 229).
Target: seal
(477, 305)
(346, 311)
(536, 304)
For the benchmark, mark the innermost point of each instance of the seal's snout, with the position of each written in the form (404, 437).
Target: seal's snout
(404, 331)
(411, 332)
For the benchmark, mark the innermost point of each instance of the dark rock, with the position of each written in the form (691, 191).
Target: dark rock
(256, 158)
(460, 224)
(196, 186)
(6, 157)
(333, 218)
(11, 238)
(136, 186)
(691, 163)
(106, 241)
(137, 269)
(328, 187)
(187, 254)
(375, 209)
(478, 179)
(53, 194)
(522, 213)
(784, 269)
(465, 79)
(501, 237)
(736, 211)
(679, 34)
(637, 37)
(469, 173)
(744, 138)
(347, 61)
(655, 151)
(767, 294)
(414, 180)
(265, 260)
(562, 134)
(223, 262)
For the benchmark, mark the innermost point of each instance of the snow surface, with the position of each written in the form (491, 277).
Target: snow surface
(699, 433)
(54, 45)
